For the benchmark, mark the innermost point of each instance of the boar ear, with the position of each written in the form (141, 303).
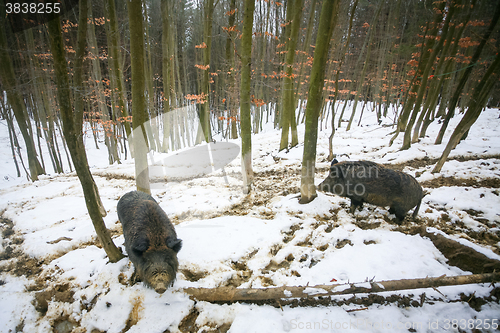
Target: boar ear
(334, 162)
(140, 246)
(336, 172)
(174, 244)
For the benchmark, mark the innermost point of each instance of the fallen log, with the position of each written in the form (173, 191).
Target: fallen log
(231, 294)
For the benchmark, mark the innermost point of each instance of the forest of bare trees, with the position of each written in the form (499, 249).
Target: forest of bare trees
(127, 62)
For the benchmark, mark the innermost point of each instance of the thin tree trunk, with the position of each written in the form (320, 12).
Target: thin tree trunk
(232, 93)
(151, 123)
(426, 50)
(294, 10)
(361, 78)
(104, 119)
(73, 135)
(42, 105)
(466, 74)
(116, 73)
(300, 88)
(12, 134)
(335, 96)
(476, 104)
(205, 83)
(139, 113)
(165, 37)
(17, 103)
(327, 22)
(245, 118)
(429, 62)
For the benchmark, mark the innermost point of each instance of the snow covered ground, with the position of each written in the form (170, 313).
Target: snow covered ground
(55, 278)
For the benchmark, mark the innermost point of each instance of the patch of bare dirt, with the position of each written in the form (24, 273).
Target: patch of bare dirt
(192, 275)
(12, 259)
(267, 185)
(188, 324)
(59, 293)
(134, 315)
(110, 176)
(426, 161)
(452, 181)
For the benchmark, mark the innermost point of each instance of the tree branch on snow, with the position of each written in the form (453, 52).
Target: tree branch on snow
(231, 294)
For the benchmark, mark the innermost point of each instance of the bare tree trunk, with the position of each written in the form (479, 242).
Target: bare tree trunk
(416, 85)
(342, 58)
(361, 78)
(73, 135)
(139, 113)
(300, 88)
(17, 103)
(466, 74)
(165, 38)
(116, 67)
(41, 102)
(246, 121)
(476, 104)
(327, 22)
(109, 135)
(151, 114)
(294, 10)
(205, 85)
(12, 135)
(429, 62)
(231, 76)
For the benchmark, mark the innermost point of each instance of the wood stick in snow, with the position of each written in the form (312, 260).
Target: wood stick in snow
(231, 294)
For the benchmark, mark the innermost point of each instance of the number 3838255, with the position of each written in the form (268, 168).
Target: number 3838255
(32, 8)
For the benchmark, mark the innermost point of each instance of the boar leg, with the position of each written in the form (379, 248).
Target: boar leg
(355, 204)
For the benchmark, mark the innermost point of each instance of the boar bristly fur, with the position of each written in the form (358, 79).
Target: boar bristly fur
(150, 240)
(365, 181)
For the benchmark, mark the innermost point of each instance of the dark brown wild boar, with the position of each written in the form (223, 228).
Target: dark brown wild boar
(364, 181)
(150, 240)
